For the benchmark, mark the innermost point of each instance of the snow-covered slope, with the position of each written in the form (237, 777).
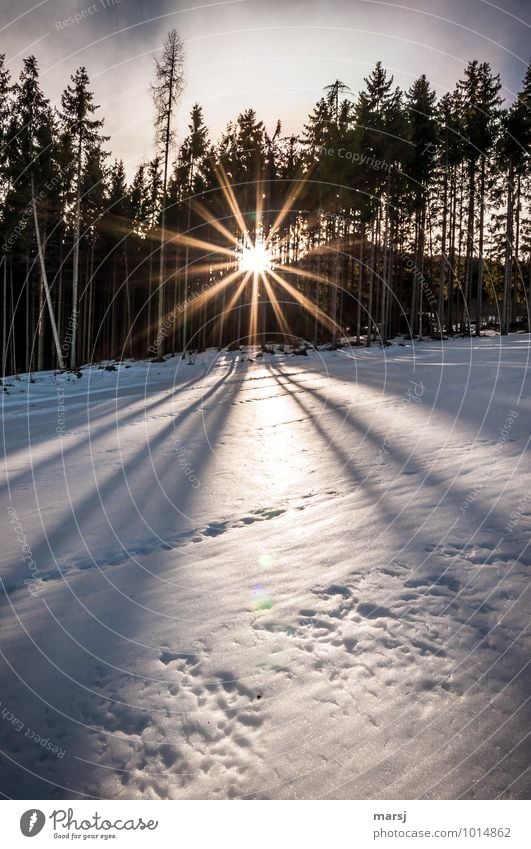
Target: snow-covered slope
(287, 577)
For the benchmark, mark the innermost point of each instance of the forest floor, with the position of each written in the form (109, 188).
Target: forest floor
(286, 577)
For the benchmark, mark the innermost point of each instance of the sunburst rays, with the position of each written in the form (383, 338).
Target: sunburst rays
(246, 265)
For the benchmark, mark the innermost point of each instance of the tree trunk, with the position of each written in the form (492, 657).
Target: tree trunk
(479, 297)
(167, 139)
(469, 259)
(360, 287)
(442, 270)
(508, 271)
(4, 320)
(75, 271)
(371, 281)
(44, 279)
(127, 343)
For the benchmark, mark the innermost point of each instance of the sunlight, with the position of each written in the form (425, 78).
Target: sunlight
(256, 258)
(250, 264)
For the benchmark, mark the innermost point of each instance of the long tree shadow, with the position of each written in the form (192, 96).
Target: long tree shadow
(458, 494)
(344, 460)
(118, 397)
(91, 712)
(346, 415)
(64, 690)
(457, 406)
(102, 498)
(478, 514)
(506, 661)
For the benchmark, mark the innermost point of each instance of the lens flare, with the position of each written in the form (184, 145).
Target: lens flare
(261, 599)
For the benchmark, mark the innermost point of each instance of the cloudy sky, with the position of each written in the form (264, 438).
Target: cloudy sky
(276, 55)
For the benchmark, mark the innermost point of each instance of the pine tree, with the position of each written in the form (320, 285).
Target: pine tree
(34, 172)
(139, 201)
(193, 174)
(317, 131)
(166, 92)
(514, 159)
(5, 120)
(77, 105)
(423, 135)
(335, 91)
(93, 206)
(118, 227)
(375, 106)
(480, 95)
(451, 153)
(5, 113)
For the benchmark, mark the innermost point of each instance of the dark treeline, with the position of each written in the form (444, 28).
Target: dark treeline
(402, 213)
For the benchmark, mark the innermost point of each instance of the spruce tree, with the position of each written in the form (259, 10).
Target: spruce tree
(481, 101)
(423, 135)
(166, 90)
(34, 174)
(77, 109)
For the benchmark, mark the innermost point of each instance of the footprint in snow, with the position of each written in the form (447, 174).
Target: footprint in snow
(374, 611)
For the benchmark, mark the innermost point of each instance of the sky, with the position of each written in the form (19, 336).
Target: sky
(273, 55)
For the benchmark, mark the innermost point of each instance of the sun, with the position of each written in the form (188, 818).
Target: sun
(251, 270)
(255, 259)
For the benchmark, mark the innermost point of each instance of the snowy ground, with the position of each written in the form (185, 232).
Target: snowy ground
(294, 577)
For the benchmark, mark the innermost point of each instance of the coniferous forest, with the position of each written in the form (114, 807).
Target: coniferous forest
(392, 212)
(265, 271)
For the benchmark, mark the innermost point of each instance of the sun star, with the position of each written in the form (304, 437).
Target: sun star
(256, 258)
(251, 268)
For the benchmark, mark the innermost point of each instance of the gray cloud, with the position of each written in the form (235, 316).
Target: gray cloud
(276, 56)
